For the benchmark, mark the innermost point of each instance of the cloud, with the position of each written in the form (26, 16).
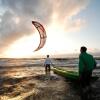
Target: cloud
(69, 8)
(66, 10)
(15, 20)
(75, 25)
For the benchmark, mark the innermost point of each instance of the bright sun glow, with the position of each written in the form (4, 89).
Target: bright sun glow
(57, 42)
(23, 47)
(58, 39)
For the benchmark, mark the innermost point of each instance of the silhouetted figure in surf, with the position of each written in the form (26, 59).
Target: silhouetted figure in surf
(86, 66)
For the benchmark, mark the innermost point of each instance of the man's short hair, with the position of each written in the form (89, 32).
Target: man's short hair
(83, 49)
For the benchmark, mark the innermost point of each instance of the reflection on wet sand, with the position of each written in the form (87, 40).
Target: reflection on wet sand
(47, 75)
(31, 83)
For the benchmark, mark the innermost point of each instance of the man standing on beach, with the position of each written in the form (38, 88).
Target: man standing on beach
(47, 64)
(86, 66)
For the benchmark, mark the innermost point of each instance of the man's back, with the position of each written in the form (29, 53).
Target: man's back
(47, 61)
(86, 61)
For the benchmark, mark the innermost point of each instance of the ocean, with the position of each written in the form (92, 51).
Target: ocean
(29, 62)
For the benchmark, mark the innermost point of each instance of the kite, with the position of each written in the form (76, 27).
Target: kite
(42, 33)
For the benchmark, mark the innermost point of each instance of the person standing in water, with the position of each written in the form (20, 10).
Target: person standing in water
(47, 64)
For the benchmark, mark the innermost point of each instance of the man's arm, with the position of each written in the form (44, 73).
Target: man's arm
(51, 63)
(81, 65)
(95, 64)
(45, 62)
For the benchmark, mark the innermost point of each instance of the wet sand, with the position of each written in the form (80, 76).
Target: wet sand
(33, 84)
(96, 90)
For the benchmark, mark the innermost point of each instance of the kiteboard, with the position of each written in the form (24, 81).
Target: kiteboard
(71, 75)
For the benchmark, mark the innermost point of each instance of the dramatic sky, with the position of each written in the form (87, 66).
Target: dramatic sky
(69, 24)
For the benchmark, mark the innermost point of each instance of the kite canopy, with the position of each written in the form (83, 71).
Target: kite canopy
(42, 33)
